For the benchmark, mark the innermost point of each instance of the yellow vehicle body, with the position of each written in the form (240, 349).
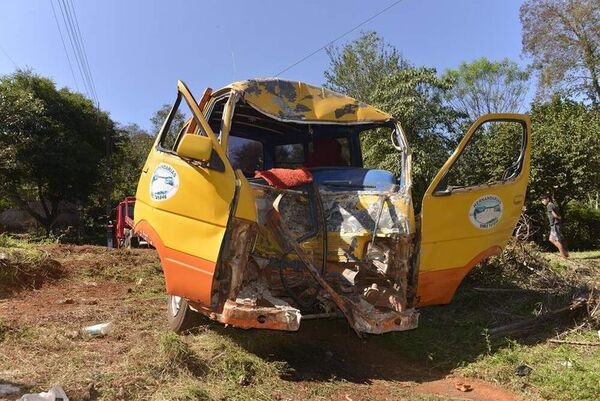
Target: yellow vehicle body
(250, 254)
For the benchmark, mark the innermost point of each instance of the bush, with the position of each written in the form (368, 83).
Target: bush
(582, 226)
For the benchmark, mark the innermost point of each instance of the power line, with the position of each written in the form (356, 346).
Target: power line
(339, 37)
(73, 31)
(62, 39)
(9, 57)
(73, 48)
(82, 46)
(77, 47)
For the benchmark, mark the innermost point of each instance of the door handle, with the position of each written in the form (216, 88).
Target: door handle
(518, 199)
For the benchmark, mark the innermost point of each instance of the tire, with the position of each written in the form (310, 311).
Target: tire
(181, 317)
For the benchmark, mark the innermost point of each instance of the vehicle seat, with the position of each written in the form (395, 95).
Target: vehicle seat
(353, 178)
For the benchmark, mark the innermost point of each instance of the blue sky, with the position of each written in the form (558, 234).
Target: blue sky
(138, 49)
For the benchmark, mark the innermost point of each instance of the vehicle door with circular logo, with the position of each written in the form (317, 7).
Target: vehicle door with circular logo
(470, 210)
(186, 204)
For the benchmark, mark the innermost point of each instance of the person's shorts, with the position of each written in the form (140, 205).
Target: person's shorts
(556, 233)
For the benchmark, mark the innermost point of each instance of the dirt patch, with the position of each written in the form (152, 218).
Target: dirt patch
(466, 389)
(324, 360)
(20, 270)
(70, 302)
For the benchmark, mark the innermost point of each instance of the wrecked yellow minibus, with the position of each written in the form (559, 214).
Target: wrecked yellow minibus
(263, 214)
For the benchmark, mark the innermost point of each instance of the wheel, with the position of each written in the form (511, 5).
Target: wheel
(181, 317)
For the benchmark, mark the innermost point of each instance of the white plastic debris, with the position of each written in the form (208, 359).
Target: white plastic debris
(7, 389)
(97, 330)
(567, 364)
(54, 394)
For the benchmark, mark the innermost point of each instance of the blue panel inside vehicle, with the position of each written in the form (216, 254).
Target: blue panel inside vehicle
(353, 178)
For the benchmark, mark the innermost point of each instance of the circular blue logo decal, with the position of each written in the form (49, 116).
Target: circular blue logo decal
(163, 183)
(486, 211)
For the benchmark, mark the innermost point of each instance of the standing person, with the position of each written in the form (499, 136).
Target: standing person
(555, 221)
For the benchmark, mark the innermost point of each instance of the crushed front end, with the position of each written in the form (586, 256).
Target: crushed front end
(338, 244)
(321, 251)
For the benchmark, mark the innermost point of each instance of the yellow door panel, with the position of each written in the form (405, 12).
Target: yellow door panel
(186, 204)
(460, 225)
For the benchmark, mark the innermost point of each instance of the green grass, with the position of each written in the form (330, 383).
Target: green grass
(23, 265)
(560, 372)
(595, 255)
(142, 360)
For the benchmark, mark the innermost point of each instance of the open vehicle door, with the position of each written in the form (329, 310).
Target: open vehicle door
(185, 199)
(473, 204)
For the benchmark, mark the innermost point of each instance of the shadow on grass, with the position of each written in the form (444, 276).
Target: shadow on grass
(448, 337)
(326, 350)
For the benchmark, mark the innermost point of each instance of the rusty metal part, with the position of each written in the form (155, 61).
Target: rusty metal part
(382, 198)
(236, 256)
(286, 241)
(362, 316)
(322, 316)
(260, 317)
(255, 307)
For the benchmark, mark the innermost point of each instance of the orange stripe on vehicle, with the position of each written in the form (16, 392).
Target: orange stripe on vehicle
(185, 275)
(438, 287)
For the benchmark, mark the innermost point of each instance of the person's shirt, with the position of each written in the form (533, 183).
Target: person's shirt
(550, 207)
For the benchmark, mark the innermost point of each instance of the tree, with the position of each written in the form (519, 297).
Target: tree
(53, 145)
(483, 87)
(565, 158)
(133, 152)
(160, 115)
(372, 71)
(358, 66)
(563, 37)
(414, 96)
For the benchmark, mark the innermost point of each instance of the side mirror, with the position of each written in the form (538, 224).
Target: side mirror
(195, 147)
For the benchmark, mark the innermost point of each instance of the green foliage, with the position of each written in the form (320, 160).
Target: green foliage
(53, 145)
(159, 117)
(132, 157)
(415, 97)
(360, 65)
(494, 148)
(582, 226)
(484, 86)
(565, 151)
(563, 38)
(372, 71)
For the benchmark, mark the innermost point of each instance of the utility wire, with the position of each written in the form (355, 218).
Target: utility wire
(74, 49)
(78, 48)
(9, 57)
(73, 34)
(338, 38)
(83, 49)
(62, 39)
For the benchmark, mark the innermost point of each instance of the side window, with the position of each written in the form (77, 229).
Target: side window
(179, 116)
(289, 156)
(214, 114)
(493, 154)
(246, 155)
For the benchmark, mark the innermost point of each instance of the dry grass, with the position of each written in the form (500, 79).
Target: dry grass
(141, 359)
(25, 267)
